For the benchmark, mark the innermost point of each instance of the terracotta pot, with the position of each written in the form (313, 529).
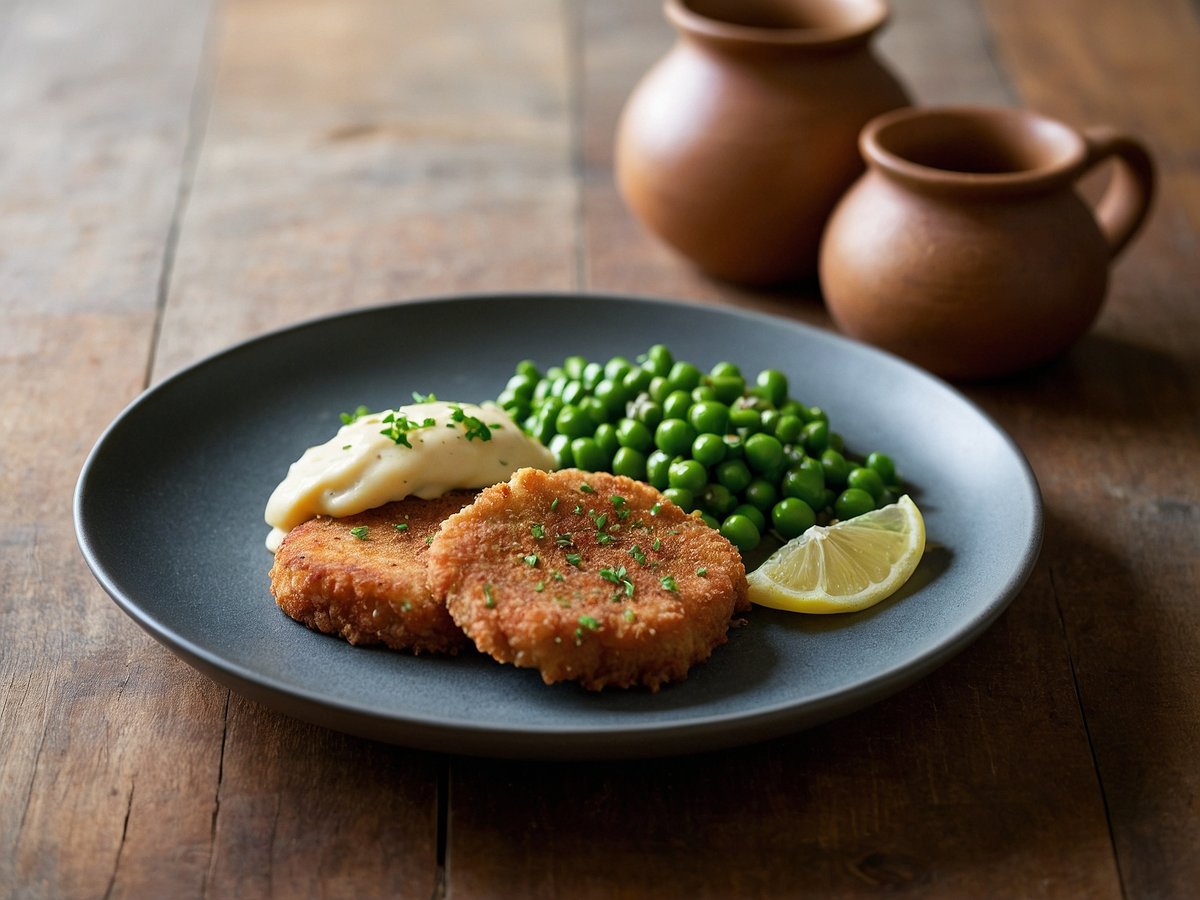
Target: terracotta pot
(735, 147)
(966, 248)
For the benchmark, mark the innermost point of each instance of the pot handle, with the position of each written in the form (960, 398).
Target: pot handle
(1123, 207)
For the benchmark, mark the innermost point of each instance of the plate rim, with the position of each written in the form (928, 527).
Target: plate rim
(709, 732)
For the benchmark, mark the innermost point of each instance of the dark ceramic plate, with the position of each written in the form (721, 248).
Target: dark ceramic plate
(169, 510)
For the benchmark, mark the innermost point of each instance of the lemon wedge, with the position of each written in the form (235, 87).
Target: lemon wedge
(846, 566)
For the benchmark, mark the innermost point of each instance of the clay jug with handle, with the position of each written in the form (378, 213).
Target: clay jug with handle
(735, 147)
(967, 248)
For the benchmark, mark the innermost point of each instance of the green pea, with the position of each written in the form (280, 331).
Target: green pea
(558, 384)
(606, 438)
(589, 455)
(797, 409)
(636, 380)
(837, 442)
(617, 368)
(648, 413)
(555, 372)
(709, 418)
(594, 408)
(734, 474)
(681, 498)
(866, 480)
(725, 369)
(542, 391)
(634, 434)
(658, 466)
(816, 437)
(658, 388)
(764, 453)
(745, 417)
(510, 400)
(788, 428)
(741, 532)
(735, 447)
(522, 385)
(816, 414)
(629, 462)
(703, 393)
(528, 368)
(683, 376)
(754, 514)
(659, 359)
(772, 385)
(882, 464)
(836, 468)
(560, 446)
(677, 404)
(728, 388)
(770, 421)
(805, 481)
(687, 474)
(573, 367)
(853, 502)
(592, 373)
(761, 494)
(573, 392)
(718, 500)
(612, 397)
(791, 517)
(828, 499)
(710, 521)
(573, 422)
(708, 449)
(675, 436)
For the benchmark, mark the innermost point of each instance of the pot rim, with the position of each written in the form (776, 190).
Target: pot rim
(1066, 150)
(872, 16)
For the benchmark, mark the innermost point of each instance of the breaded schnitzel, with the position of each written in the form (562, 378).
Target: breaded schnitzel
(363, 577)
(589, 577)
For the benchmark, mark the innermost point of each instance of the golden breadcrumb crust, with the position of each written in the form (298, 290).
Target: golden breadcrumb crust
(589, 577)
(369, 587)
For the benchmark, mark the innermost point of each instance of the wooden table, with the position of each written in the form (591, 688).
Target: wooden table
(178, 175)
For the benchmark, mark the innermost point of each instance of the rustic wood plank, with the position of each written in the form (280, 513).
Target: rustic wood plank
(1114, 431)
(94, 101)
(368, 151)
(960, 786)
(358, 153)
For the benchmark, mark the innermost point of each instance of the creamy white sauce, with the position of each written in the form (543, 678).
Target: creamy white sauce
(360, 468)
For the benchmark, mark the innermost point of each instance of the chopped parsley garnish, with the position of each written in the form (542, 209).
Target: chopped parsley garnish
(531, 559)
(702, 571)
(654, 510)
(589, 623)
(618, 576)
(638, 554)
(359, 532)
(669, 583)
(557, 575)
(400, 526)
(488, 600)
(423, 398)
(540, 586)
(630, 615)
(474, 426)
(399, 425)
(575, 559)
(406, 606)
(554, 504)
(564, 539)
(538, 530)
(586, 488)
(361, 411)
(657, 545)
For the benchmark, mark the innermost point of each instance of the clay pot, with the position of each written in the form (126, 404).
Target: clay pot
(735, 147)
(967, 249)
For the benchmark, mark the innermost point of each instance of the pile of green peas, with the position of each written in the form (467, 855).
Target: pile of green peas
(749, 457)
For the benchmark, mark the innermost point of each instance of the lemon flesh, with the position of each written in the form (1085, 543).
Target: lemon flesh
(846, 566)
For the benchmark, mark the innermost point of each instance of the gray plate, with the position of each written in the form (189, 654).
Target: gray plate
(169, 510)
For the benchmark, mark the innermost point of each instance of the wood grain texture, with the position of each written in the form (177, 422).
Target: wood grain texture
(1115, 431)
(95, 104)
(957, 787)
(369, 151)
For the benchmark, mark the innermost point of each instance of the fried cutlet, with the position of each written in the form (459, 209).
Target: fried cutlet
(589, 577)
(363, 577)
